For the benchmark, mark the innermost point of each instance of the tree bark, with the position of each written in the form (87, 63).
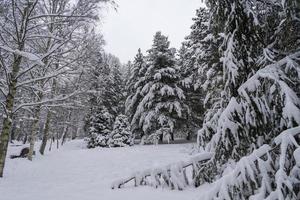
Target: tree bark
(161, 136)
(34, 131)
(75, 134)
(12, 90)
(172, 136)
(64, 135)
(52, 140)
(13, 132)
(66, 129)
(20, 128)
(7, 122)
(25, 138)
(46, 133)
(57, 141)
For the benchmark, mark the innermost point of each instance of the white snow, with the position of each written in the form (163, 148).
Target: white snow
(76, 173)
(29, 56)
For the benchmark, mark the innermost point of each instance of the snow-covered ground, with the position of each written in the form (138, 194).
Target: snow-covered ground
(76, 173)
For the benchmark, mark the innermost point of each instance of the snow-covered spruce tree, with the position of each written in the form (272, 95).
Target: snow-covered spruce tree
(228, 58)
(135, 95)
(118, 89)
(100, 127)
(128, 73)
(162, 106)
(112, 96)
(137, 71)
(201, 70)
(121, 135)
(191, 68)
(103, 79)
(263, 110)
(96, 75)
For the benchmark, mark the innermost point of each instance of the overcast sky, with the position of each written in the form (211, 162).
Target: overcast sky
(135, 22)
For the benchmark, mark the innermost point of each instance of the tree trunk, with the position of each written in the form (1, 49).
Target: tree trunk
(57, 141)
(66, 128)
(64, 135)
(161, 137)
(7, 122)
(75, 134)
(188, 137)
(25, 138)
(4, 143)
(46, 133)
(51, 142)
(34, 130)
(20, 128)
(47, 125)
(13, 130)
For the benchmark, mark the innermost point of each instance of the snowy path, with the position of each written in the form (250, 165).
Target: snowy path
(75, 173)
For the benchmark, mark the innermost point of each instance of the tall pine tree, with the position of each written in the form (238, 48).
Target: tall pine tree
(135, 95)
(162, 107)
(191, 60)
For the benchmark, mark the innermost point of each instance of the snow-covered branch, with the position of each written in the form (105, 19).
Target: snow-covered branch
(58, 15)
(48, 101)
(51, 75)
(173, 176)
(29, 56)
(254, 176)
(256, 109)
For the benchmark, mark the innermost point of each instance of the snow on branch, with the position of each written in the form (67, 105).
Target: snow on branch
(172, 176)
(47, 54)
(51, 75)
(59, 15)
(261, 175)
(48, 101)
(29, 56)
(269, 96)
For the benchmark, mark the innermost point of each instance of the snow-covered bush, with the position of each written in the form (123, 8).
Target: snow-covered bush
(100, 127)
(121, 135)
(154, 138)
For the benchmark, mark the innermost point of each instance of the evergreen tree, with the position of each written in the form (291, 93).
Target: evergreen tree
(135, 95)
(112, 96)
(233, 53)
(191, 61)
(117, 98)
(100, 127)
(162, 105)
(121, 135)
(229, 52)
(128, 73)
(106, 98)
(259, 111)
(138, 65)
